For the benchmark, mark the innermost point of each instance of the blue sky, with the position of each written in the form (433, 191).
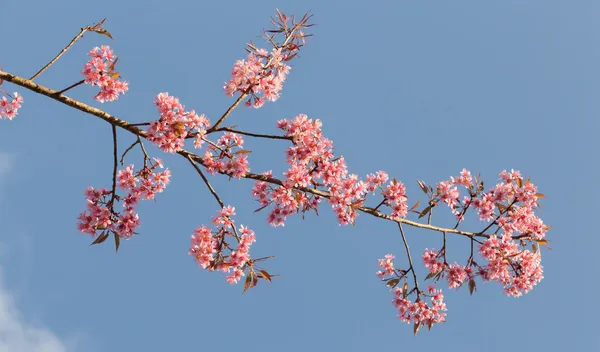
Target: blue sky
(419, 89)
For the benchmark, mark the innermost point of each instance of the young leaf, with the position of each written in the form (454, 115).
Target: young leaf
(100, 238)
(424, 212)
(416, 328)
(472, 286)
(423, 186)
(265, 275)
(248, 282)
(433, 274)
(117, 241)
(416, 205)
(392, 283)
(105, 32)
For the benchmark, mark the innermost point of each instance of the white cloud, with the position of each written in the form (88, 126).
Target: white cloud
(16, 334)
(6, 162)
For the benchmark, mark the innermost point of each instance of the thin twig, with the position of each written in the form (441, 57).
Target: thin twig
(115, 165)
(409, 259)
(208, 185)
(70, 87)
(228, 111)
(64, 50)
(257, 135)
(128, 149)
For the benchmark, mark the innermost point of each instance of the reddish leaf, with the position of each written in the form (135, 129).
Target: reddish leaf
(416, 328)
(540, 195)
(265, 275)
(472, 286)
(423, 186)
(117, 242)
(243, 151)
(248, 282)
(100, 238)
(416, 205)
(425, 211)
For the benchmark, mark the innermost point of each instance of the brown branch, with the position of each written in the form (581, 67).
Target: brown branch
(257, 135)
(28, 84)
(71, 87)
(409, 259)
(208, 185)
(64, 50)
(127, 150)
(229, 110)
(115, 165)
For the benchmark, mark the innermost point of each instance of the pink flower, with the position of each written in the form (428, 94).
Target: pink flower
(99, 71)
(10, 108)
(175, 124)
(262, 73)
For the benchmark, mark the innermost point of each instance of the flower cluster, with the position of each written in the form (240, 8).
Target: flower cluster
(388, 266)
(518, 270)
(208, 247)
(262, 73)
(9, 108)
(175, 124)
(419, 312)
(220, 157)
(313, 164)
(101, 215)
(100, 71)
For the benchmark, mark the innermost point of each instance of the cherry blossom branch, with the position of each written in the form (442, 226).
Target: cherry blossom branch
(289, 35)
(30, 85)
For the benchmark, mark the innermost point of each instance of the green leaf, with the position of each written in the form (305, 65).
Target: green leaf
(392, 283)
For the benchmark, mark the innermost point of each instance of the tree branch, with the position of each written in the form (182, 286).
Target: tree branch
(50, 93)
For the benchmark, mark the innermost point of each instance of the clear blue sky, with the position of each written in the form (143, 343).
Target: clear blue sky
(420, 89)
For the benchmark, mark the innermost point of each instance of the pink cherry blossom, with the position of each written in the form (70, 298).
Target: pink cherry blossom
(99, 71)
(10, 108)
(175, 125)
